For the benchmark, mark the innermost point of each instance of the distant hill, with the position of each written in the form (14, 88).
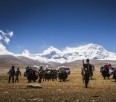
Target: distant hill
(9, 60)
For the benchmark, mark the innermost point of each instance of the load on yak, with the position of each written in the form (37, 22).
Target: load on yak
(50, 74)
(38, 72)
(31, 73)
(108, 70)
(63, 73)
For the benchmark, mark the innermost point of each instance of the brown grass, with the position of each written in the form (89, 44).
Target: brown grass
(72, 90)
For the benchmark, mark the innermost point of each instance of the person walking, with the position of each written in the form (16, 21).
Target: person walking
(86, 72)
(11, 74)
(17, 74)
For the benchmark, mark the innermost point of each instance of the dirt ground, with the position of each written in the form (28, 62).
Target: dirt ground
(72, 90)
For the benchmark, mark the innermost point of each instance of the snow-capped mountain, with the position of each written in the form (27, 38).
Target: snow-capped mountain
(91, 51)
(69, 54)
(51, 52)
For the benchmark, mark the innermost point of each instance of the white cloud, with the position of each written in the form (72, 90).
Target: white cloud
(1, 38)
(11, 33)
(2, 47)
(2, 33)
(5, 36)
(3, 50)
(26, 52)
(6, 40)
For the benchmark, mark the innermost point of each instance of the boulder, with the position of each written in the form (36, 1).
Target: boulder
(33, 85)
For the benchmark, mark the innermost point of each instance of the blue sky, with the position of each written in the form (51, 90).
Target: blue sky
(38, 24)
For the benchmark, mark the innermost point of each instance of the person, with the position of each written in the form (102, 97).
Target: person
(87, 67)
(86, 72)
(11, 74)
(41, 68)
(18, 72)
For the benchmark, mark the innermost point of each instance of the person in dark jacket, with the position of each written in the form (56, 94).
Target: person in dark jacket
(87, 66)
(86, 72)
(18, 72)
(11, 74)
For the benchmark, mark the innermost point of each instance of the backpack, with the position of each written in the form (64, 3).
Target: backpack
(87, 67)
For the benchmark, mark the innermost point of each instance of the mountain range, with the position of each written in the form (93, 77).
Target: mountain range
(53, 55)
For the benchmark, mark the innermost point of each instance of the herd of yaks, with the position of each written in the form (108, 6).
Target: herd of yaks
(39, 73)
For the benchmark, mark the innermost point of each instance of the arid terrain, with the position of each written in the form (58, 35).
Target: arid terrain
(72, 90)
